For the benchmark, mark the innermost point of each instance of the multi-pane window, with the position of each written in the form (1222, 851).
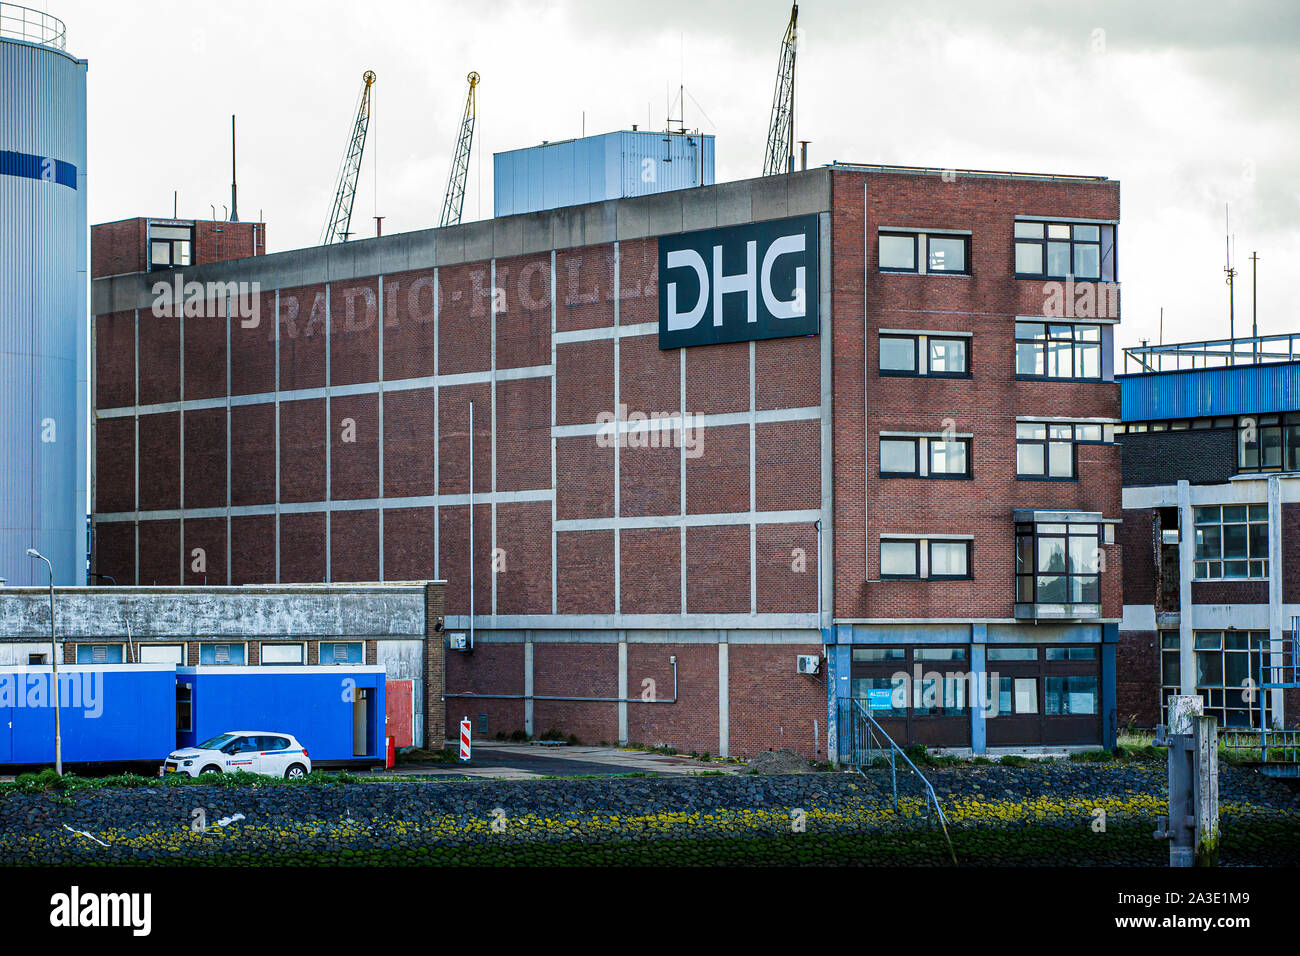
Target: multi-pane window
(924, 252)
(924, 457)
(1231, 541)
(1230, 666)
(1056, 350)
(925, 558)
(1069, 695)
(1060, 250)
(169, 246)
(1269, 442)
(1045, 450)
(923, 354)
(1058, 563)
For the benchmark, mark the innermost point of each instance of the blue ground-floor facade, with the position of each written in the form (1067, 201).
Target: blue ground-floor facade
(976, 687)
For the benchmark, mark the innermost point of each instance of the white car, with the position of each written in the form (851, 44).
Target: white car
(255, 751)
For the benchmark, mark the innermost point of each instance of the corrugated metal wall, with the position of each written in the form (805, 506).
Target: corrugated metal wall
(1198, 393)
(43, 319)
(597, 168)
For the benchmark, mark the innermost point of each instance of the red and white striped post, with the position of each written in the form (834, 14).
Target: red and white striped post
(464, 740)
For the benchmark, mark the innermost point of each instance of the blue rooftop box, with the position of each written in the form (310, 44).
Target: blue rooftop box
(598, 168)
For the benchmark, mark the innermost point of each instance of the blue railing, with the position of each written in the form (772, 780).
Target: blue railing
(864, 743)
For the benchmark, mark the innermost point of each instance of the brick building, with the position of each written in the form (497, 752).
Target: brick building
(1211, 443)
(688, 409)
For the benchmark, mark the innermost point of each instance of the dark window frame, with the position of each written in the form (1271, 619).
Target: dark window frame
(918, 358)
(916, 558)
(929, 559)
(915, 442)
(1044, 241)
(173, 244)
(1031, 530)
(919, 254)
(1076, 346)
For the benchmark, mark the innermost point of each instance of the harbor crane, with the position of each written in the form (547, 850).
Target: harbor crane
(779, 157)
(454, 200)
(340, 218)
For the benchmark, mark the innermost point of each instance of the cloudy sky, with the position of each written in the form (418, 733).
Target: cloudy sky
(1190, 105)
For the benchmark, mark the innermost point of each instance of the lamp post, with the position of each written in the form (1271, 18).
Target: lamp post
(54, 661)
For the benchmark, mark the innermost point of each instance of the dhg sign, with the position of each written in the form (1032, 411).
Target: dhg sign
(757, 281)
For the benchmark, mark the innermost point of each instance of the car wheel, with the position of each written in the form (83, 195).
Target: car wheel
(210, 768)
(295, 772)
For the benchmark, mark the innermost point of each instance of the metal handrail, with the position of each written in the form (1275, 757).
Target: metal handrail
(32, 26)
(1285, 742)
(1215, 353)
(864, 728)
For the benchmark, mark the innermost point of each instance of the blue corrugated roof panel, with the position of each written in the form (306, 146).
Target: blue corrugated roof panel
(1203, 392)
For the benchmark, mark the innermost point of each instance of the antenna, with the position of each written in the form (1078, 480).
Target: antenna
(234, 189)
(1231, 274)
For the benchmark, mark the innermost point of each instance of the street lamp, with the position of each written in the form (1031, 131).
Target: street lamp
(54, 660)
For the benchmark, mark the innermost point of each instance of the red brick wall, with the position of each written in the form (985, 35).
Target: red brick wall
(986, 304)
(692, 722)
(1137, 684)
(771, 705)
(118, 247)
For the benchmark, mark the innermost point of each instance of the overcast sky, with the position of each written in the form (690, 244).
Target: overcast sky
(1190, 105)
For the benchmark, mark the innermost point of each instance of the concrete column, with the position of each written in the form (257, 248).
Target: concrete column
(622, 687)
(1275, 620)
(981, 691)
(1186, 569)
(724, 701)
(1109, 675)
(528, 682)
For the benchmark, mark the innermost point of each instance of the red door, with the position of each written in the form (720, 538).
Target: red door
(399, 696)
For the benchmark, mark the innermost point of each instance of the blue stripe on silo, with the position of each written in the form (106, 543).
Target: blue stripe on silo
(1206, 392)
(33, 167)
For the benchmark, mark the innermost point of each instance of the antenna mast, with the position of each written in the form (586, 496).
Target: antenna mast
(1231, 274)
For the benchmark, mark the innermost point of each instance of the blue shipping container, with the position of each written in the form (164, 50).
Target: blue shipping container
(336, 712)
(108, 712)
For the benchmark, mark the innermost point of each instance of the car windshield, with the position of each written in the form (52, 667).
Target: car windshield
(217, 742)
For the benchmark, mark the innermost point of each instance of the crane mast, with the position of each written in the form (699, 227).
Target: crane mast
(779, 157)
(454, 200)
(340, 218)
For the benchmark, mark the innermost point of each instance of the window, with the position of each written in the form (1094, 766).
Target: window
(1231, 542)
(1071, 653)
(1269, 442)
(1016, 696)
(925, 558)
(941, 356)
(1012, 653)
(1052, 350)
(949, 559)
(221, 654)
(99, 654)
(1060, 250)
(1045, 450)
(37, 659)
(924, 457)
(1058, 563)
(162, 653)
(283, 654)
(897, 252)
(169, 246)
(1067, 696)
(877, 654)
(1230, 666)
(924, 252)
(900, 559)
(351, 652)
